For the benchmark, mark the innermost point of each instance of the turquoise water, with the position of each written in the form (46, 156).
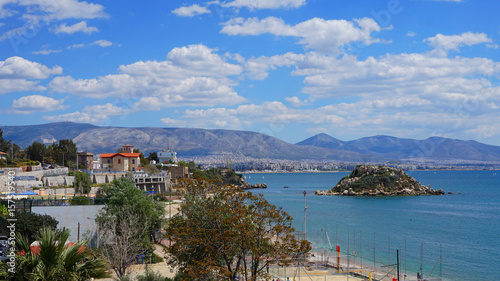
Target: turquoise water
(464, 227)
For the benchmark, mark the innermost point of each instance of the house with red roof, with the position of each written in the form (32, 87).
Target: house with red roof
(3, 155)
(123, 161)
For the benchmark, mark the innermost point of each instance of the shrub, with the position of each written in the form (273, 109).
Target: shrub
(80, 200)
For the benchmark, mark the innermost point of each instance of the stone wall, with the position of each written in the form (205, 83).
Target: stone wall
(58, 181)
(55, 172)
(100, 178)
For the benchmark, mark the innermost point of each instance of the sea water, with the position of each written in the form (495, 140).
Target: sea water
(454, 236)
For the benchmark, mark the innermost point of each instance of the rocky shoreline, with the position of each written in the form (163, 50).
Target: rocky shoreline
(254, 186)
(245, 185)
(371, 180)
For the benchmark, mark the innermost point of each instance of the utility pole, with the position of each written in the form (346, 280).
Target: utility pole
(305, 208)
(397, 262)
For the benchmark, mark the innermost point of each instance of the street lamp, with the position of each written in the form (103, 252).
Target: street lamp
(43, 157)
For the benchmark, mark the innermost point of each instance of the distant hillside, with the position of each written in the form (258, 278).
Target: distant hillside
(201, 142)
(45, 133)
(186, 141)
(434, 148)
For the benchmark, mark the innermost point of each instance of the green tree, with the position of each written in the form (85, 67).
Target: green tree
(222, 232)
(130, 221)
(144, 161)
(66, 152)
(5, 145)
(83, 183)
(28, 224)
(50, 153)
(62, 152)
(191, 165)
(55, 260)
(153, 156)
(36, 151)
(16, 151)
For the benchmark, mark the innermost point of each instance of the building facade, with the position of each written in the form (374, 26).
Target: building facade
(122, 161)
(177, 172)
(85, 159)
(167, 156)
(159, 183)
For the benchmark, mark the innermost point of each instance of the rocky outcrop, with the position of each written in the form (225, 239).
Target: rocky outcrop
(245, 185)
(370, 180)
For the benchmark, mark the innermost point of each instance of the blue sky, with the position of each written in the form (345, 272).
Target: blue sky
(286, 68)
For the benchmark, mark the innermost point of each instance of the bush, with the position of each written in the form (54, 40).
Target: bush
(156, 258)
(161, 197)
(100, 200)
(28, 224)
(152, 276)
(80, 200)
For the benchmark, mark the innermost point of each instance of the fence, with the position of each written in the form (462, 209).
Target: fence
(27, 204)
(344, 254)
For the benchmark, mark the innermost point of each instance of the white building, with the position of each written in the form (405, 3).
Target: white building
(167, 156)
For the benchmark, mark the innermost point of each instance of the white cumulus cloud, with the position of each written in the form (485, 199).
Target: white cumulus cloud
(191, 11)
(36, 103)
(265, 4)
(95, 114)
(49, 10)
(423, 74)
(295, 101)
(77, 27)
(20, 68)
(101, 43)
(38, 13)
(173, 122)
(19, 74)
(46, 52)
(454, 42)
(193, 75)
(327, 36)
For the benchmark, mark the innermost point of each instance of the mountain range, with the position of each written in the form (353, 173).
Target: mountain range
(201, 142)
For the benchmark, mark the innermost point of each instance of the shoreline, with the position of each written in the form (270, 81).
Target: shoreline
(341, 171)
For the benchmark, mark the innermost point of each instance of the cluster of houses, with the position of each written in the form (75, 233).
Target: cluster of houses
(102, 169)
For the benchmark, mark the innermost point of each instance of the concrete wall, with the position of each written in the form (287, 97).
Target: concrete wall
(53, 172)
(100, 178)
(59, 180)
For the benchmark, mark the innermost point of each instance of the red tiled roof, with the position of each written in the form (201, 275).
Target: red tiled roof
(3, 153)
(108, 155)
(128, 155)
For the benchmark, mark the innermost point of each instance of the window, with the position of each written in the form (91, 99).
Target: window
(109, 160)
(133, 161)
(119, 161)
